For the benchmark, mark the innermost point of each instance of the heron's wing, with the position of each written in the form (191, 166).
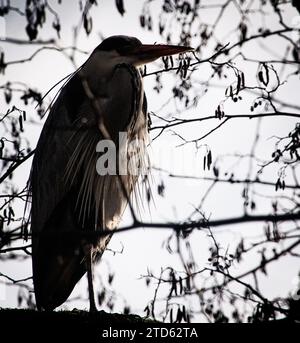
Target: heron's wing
(52, 197)
(63, 171)
(52, 153)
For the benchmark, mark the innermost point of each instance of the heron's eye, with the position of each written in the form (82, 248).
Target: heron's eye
(126, 49)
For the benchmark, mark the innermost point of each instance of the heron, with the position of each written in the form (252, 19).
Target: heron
(104, 97)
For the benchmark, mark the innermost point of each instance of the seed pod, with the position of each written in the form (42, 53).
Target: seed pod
(261, 77)
(8, 95)
(172, 61)
(238, 86)
(209, 159)
(171, 315)
(166, 62)
(267, 74)
(142, 21)
(242, 79)
(21, 123)
(180, 285)
(179, 67)
(120, 6)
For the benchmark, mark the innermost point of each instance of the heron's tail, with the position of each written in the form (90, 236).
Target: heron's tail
(57, 256)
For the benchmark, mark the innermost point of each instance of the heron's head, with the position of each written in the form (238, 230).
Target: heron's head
(127, 49)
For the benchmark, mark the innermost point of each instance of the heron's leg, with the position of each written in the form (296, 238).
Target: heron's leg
(89, 267)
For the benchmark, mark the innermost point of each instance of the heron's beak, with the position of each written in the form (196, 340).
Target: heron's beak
(150, 52)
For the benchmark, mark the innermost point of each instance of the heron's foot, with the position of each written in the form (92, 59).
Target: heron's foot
(93, 308)
(89, 265)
